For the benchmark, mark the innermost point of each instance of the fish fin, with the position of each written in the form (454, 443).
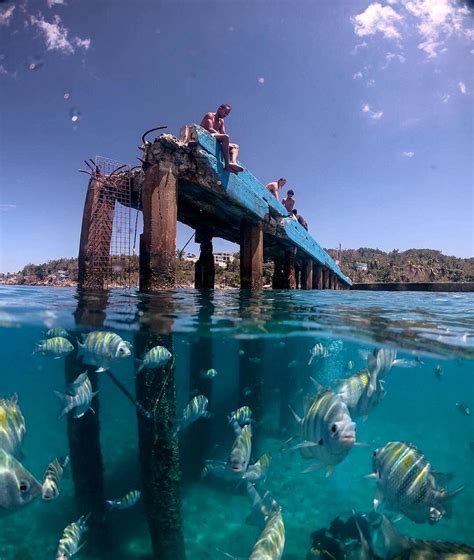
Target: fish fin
(64, 461)
(371, 476)
(317, 385)
(329, 470)
(311, 358)
(363, 541)
(406, 363)
(100, 369)
(91, 409)
(207, 414)
(442, 478)
(307, 402)
(65, 402)
(109, 504)
(361, 444)
(312, 468)
(296, 417)
(305, 444)
(378, 499)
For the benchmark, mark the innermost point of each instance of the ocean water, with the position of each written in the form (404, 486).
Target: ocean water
(260, 346)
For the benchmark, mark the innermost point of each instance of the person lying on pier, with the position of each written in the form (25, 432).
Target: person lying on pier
(214, 123)
(276, 186)
(289, 202)
(300, 219)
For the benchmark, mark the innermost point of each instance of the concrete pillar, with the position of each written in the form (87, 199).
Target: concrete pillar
(326, 284)
(307, 275)
(278, 280)
(158, 244)
(317, 277)
(204, 269)
(289, 269)
(96, 235)
(251, 256)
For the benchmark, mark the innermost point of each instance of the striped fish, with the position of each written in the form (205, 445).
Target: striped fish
(379, 364)
(157, 357)
(327, 430)
(242, 416)
(69, 544)
(407, 483)
(57, 331)
(78, 397)
(102, 348)
(388, 543)
(18, 486)
(12, 425)
(129, 500)
(327, 350)
(354, 392)
(195, 409)
(259, 470)
(56, 346)
(209, 374)
(241, 449)
(52, 478)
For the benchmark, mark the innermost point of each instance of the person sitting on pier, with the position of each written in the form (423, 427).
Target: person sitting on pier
(214, 123)
(275, 186)
(289, 202)
(300, 219)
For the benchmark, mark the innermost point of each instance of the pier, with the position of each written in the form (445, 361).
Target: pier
(183, 179)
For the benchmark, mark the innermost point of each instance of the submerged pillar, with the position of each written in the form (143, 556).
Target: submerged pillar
(158, 444)
(158, 244)
(289, 269)
(307, 275)
(251, 256)
(317, 277)
(325, 277)
(204, 269)
(96, 234)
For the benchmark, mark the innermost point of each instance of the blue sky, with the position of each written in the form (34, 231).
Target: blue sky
(366, 108)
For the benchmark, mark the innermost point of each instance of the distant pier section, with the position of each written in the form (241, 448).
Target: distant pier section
(184, 180)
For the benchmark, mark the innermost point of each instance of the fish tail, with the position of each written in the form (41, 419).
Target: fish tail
(444, 501)
(297, 418)
(66, 402)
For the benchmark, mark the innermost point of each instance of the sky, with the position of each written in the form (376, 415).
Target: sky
(365, 107)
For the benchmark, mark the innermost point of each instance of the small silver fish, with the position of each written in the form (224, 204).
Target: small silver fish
(157, 357)
(57, 331)
(78, 397)
(70, 542)
(326, 350)
(52, 478)
(209, 374)
(129, 500)
(18, 486)
(103, 348)
(57, 346)
(463, 409)
(12, 425)
(438, 372)
(195, 409)
(242, 416)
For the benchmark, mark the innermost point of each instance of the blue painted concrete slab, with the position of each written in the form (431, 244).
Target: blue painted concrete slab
(248, 192)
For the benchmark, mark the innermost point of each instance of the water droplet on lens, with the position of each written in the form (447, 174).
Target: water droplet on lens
(75, 115)
(35, 62)
(66, 95)
(261, 80)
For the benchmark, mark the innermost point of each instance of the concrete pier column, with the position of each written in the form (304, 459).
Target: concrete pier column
(326, 285)
(278, 273)
(158, 244)
(289, 269)
(158, 444)
(333, 278)
(204, 269)
(251, 256)
(317, 277)
(96, 234)
(307, 275)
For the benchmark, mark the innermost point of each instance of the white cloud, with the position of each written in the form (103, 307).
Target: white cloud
(370, 83)
(357, 76)
(408, 154)
(391, 56)
(445, 97)
(3, 70)
(462, 88)
(51, 3)
(375, 115)
(6, 15)
(6, 207)
(377, 19)
(56, 35)
(362, 45)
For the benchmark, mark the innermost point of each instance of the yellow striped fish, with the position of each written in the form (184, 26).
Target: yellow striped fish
(12, 425)
(52, 478)
(69, 544)
(259, 470)
(56, 346)
(78, 397)
(157, 357)
(407, 483)
(327, 430)
(195, 409)
(129, 500)
(242, 416)
(56, 331)
(241, 449)
(102, 348)
(354, 392)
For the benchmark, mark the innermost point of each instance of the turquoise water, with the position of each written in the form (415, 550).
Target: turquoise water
(260, 346)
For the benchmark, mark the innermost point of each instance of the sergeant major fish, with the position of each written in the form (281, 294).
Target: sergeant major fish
(157, 357)
(12, 425)
(18, 486)
(321, 350)
(129, 500)
(407, 483)
(78, 398)
(354, 392)
(327, 430)
(259, 470)
(209, 374)
(70, 542)
(102, 348)
(241, 449)
(380, 362)
(242, 416)
(195, 409)
(56, 346)
(52, 478)
(56, 331)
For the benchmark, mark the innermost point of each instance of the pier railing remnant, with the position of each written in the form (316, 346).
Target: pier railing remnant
(184, 180)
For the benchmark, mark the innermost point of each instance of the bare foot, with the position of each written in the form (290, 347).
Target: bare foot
(234, 168)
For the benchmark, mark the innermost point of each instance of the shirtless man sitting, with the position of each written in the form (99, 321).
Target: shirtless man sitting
(276, 186)
(214, 123)
(289, 201)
